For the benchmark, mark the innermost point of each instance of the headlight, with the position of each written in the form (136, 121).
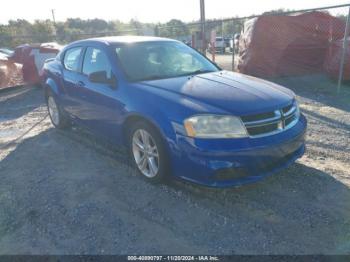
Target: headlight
(215, 126)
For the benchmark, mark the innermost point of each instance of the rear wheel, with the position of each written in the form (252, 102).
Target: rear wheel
(58, 118)
(147, 152)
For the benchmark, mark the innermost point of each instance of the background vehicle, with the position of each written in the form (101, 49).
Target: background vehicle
(220, 45)
(32, 58)
(177, 113)
(5, 51)
(227, 41)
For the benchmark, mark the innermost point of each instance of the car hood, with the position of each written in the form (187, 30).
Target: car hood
(233, 92)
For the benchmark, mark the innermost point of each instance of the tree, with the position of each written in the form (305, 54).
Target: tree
(233, 27)
(5, 36)
(43, 31)
(21, 31)
(174, 29)
(277, 11)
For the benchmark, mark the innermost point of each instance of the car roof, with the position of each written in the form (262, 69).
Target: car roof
(124, 39)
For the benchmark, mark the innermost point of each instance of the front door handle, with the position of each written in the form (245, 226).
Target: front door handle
(80, 84)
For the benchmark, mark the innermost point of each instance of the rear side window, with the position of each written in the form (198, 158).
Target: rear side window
(96, 60)
(72, 58)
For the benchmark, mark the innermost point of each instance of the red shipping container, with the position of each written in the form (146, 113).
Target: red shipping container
(272, 46)
(333, 60)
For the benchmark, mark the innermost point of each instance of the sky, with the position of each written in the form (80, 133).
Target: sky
(149, 10)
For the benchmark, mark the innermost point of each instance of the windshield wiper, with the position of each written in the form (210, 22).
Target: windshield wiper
(197, 72)
(153, 77)
(158, 77)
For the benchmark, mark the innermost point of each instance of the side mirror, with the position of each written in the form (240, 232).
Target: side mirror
(101, 78)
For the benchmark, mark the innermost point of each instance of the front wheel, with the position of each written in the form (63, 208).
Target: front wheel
(148, 152)
(58, 118)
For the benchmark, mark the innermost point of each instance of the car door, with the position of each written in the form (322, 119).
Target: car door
(101, 107)
(71, 76)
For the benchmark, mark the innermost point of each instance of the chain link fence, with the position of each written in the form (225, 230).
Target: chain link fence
(283, 44)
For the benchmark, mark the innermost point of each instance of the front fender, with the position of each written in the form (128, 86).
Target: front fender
(159, 120)
(155, 109)
(51, 86)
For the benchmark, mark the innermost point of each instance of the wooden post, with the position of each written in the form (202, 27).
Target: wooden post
(344, 52)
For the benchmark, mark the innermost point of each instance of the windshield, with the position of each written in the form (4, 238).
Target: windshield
(159, 60)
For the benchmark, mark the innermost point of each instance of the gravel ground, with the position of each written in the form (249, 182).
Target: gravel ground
(66, 193)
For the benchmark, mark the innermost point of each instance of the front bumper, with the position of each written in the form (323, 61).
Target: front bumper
(234, 162)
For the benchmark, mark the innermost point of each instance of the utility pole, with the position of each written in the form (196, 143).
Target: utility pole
(54, 22)
(53, 16)
(204, 42)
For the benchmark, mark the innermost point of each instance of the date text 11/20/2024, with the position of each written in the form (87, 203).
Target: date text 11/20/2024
(173, 258)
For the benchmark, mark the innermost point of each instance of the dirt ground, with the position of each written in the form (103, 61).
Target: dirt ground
(67, 193)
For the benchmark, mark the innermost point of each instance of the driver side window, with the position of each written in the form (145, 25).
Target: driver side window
(71, 59)
(95, 60)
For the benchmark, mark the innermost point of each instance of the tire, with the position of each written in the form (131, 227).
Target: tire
(58, 118)
(147, 157)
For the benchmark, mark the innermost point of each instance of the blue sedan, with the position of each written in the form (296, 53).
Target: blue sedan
(178, 114)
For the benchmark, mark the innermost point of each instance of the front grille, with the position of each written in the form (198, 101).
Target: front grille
(231, 173)
(257, 117)
(263, 167)
(272, 164)
(271, 122)
(258, 130)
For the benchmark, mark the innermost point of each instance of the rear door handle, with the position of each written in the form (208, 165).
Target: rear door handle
(80, 84)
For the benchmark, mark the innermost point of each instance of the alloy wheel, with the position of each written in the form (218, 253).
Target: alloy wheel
(145, 153)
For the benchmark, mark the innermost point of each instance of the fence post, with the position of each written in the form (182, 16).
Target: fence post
(344, 52)
(213, 44)
(203, 29)
(222, 29)
(233, 47)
